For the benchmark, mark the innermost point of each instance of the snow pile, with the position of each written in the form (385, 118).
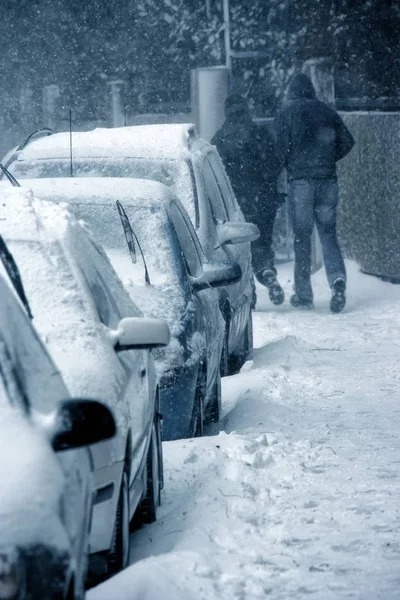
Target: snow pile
(179, 576)
(298, 496)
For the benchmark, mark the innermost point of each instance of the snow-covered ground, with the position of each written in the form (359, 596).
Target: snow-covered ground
(298, 496)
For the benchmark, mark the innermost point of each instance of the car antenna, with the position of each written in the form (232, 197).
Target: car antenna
(126, 224)
(71, 165)
(13, 272)
(9, 176)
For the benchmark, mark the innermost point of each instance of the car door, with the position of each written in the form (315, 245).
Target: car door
(222, 210)
(235, 214)
(193, 260)
(133, 400)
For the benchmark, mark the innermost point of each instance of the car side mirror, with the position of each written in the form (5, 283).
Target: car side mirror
(217, 274)
(139, 333)
(78, 422)
(239, 232)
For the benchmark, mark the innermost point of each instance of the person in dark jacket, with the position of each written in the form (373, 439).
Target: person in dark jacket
(311, 138)
(248, 153)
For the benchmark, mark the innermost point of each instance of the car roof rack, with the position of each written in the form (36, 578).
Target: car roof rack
(38, 133)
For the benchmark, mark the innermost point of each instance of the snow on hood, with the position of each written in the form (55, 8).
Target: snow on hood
(169, 140)
(300, 87)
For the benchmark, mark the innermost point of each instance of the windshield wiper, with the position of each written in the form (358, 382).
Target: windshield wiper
(129, 235)
(9, 176)
(13, 272)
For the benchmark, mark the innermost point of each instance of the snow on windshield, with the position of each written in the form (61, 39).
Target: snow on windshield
(164, 297)
(174, 173)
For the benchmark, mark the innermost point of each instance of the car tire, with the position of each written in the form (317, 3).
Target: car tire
(152, 500)
(118, 557)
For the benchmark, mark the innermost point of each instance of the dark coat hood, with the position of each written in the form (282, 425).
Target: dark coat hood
(300, 87)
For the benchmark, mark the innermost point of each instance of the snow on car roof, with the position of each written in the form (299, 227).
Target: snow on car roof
(169, 141)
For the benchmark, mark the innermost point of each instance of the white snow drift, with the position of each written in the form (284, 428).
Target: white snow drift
(298, 496)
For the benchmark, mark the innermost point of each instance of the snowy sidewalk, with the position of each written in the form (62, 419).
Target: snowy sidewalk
(299, 495)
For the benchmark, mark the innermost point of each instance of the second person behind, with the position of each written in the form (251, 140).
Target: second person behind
(248, 153)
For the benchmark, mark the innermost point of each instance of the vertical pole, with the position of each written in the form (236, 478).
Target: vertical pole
(208, 9)
(227, 36)
(71, 167)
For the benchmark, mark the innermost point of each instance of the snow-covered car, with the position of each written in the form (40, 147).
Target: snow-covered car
(101, 343)
(174, 284)
(45, 472)
(191, 167)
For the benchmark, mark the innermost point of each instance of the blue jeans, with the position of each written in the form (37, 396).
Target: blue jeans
(313, 200)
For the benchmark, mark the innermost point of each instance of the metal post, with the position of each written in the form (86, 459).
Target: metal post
(227, 36)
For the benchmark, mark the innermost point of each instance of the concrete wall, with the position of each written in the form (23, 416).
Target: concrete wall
(369, 212)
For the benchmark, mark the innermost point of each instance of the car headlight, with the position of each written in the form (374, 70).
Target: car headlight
(10, 575)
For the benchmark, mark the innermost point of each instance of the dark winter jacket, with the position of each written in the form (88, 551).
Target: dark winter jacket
(311, 137)
(248, 153)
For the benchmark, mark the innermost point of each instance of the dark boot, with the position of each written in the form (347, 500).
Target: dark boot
(276, 293)
(338, 300)
(301, 303)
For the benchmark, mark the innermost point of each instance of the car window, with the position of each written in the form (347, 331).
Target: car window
(103, 299)
(31, 372)
(215, 197)
(190, 251)
(224, 187)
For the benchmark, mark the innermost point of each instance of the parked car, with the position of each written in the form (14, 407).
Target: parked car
(176, 156)
(173, 281)
(45, 471)
(101, 343)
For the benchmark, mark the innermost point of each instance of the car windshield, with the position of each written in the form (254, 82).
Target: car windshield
(151, 228)
(174, 173)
